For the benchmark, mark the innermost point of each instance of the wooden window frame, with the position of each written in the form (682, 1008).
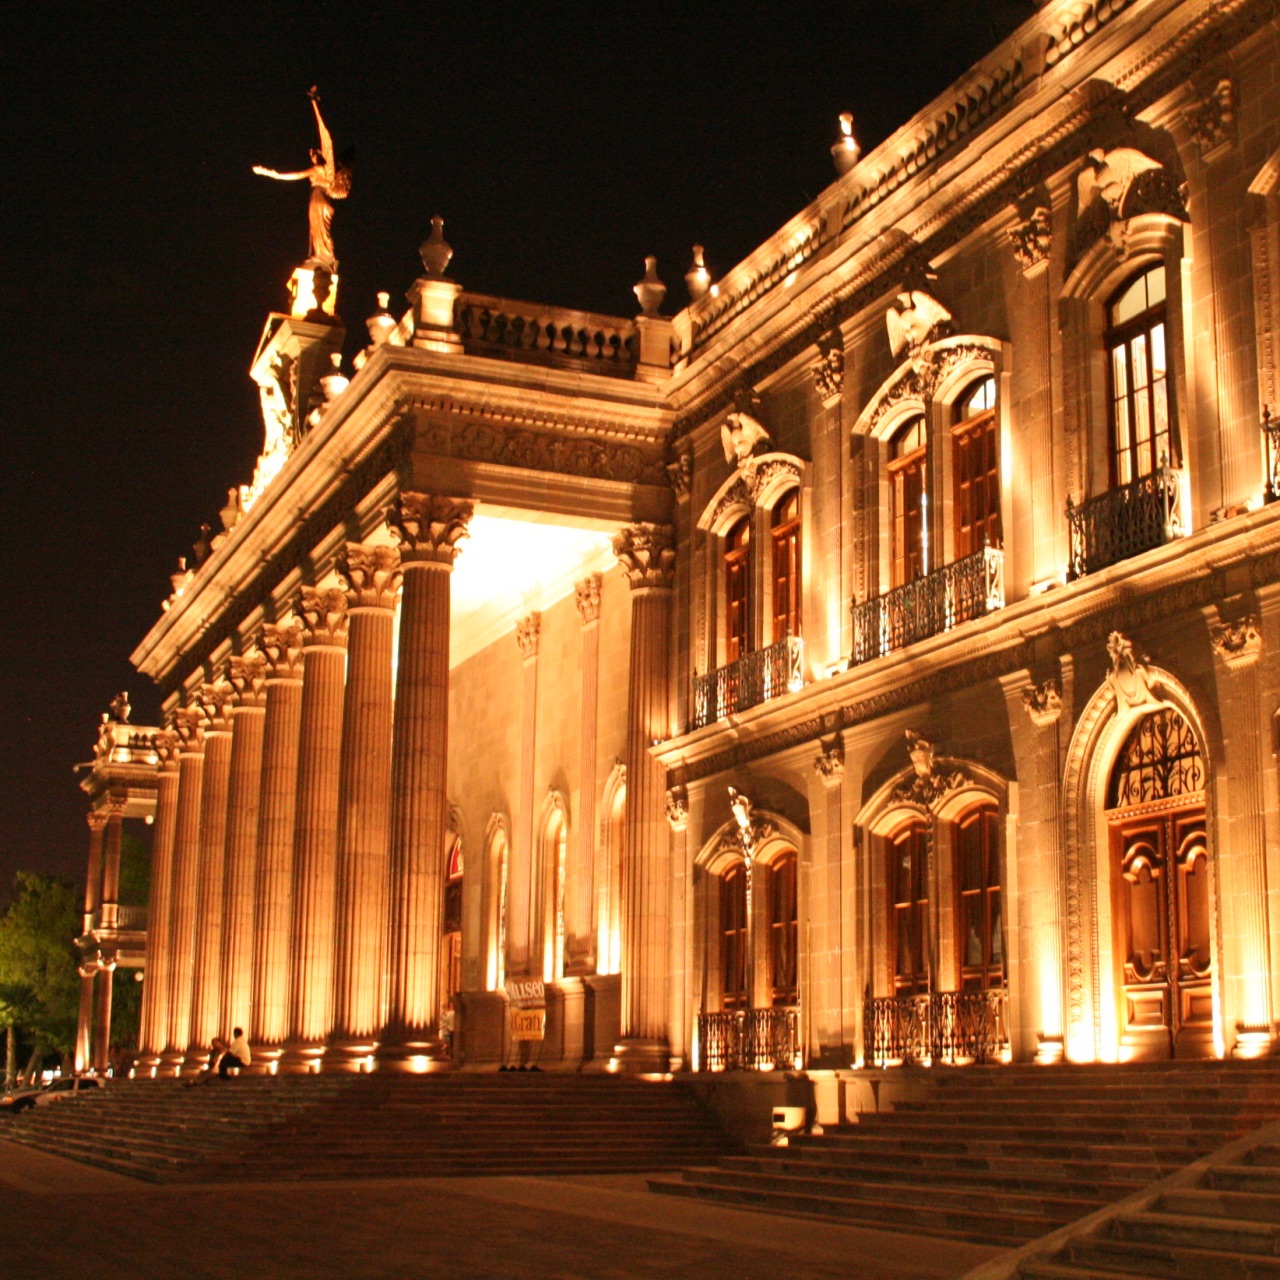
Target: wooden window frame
(786, 559)
(914, 910)
(783, 924)
(989, 973)
(968, 530)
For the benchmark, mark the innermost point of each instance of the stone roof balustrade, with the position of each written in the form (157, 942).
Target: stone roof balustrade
(535, 334)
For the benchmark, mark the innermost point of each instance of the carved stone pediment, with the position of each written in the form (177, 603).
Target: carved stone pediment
(930, 781)
(1129, 677)
(1117, 185)
(920, 378)
(744, 490)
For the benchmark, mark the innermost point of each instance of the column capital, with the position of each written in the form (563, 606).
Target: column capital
(828, 369)
(189, 723)
(1237, 643)
(586, 595)
(97, 819)
(165, 742)
(324, 617)
(676, 808)
(428, 527)
(248, 677)
(528, 633)
(829, 762)
(281, 645)
(372, 575)
(1043, 702)
(216, 697)
(647, 554)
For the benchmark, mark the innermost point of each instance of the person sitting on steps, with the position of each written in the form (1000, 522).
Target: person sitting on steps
(237, 1055)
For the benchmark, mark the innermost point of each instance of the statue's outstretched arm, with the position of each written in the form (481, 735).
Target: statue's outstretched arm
(326, 142)
(282, 177)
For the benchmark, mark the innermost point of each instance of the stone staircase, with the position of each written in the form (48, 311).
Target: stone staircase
(1002, 1155)
(299, 1127)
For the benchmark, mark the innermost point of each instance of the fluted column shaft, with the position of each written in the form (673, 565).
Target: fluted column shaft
(186, 854)
(155, 988)
(373, 578)
(648, 557)
(102, 1020)
(315, 847)
(523, 891)
(111, 866)
(428, 529)
(93, 877)
(277, 807)
(580, 891)
(248, 715)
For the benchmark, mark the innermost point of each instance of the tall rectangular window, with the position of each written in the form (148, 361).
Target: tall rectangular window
(785, 535)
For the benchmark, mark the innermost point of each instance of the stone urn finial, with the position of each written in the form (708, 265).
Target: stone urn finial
(650, 291)
(845, 150)
(335, 382)
(382, 323)
(697, 279)
(435, 252)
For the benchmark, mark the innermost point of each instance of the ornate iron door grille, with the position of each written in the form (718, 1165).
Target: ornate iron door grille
(759, 676)
(947, 1026)
(748, 1039)
(956, 593)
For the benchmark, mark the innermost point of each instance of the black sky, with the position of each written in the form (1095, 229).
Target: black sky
(561, 143)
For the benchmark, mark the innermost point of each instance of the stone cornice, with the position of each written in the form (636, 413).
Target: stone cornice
(1191, 573)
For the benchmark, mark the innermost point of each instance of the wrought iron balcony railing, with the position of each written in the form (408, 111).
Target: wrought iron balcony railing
(759, 676)
(1125, 521)
(940, 600)
(944, 1026)
(749, 1040)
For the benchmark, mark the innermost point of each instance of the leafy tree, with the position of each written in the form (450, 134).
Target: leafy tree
(39, 985)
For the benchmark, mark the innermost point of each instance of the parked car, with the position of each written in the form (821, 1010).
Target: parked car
(18, 1100)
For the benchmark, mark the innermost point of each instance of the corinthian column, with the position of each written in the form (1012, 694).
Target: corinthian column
(428, 528)
(155, 988)
(315, 844)
(277, 806)
(647, 556)
(207, 965)
(189, 725)
(88, 973)
(248, 716)
(580, 891)
(373, 580)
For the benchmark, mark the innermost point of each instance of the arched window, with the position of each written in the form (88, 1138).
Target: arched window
(609, 888)
(908, 503)
(909, 908)
(555, 843)
(979, 915)
(783, 970)
(497, 912)
(976, 470)
(785, 536)
(1141, 410)
(451, 941)
(737, 590)
(733, 938)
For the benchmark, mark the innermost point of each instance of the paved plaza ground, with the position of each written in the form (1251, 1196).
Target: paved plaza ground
(61, 1221)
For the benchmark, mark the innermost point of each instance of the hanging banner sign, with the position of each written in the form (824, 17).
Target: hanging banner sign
(526, 1008)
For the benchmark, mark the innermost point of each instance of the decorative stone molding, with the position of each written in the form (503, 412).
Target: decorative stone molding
(680, 473)
(1129, 678)
(189, 726)
(930, 783)
(429, 527)
(248, 676)
(216, 699)
(749, 829)
(830, 762)
(677, 808)
(1043, 702)
(372, 575)
(750, 481)
(281, 645)
(528, 634)
(916, 320)
(920, 378)
(586, 595)
(324, 617)
(828, 369)
(647, 554)
(1237, 643)
(1032, 239)
(1117, 185)
(1212, 120)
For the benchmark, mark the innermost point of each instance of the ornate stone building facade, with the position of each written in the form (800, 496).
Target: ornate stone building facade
(877, 660)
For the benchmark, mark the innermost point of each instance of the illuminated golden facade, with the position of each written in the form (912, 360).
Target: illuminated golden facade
(875, 660)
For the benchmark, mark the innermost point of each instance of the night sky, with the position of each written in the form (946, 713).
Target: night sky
(561, 144)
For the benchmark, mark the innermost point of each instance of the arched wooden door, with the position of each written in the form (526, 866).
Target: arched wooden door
(1160, 890)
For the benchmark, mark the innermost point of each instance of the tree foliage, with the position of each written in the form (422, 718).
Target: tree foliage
(39, 984)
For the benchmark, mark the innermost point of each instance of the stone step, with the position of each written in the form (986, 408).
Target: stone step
(1145, 1258)
(1263, 1179)
(1209, 1202)
(1184, 1231)
(1108, 1152)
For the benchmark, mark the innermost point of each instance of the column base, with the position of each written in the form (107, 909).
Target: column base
(647, 1057)
(415, 1053)
(266, 1059)
(1252, 1042)
(146, 1066)
(171, 1061)
(354, 1056)
(1050, 1050)
(302, 1058)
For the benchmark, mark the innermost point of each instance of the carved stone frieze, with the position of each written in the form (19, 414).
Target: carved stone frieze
(1237, 643)
(1032, 239)
(528, 634)
(1043, 702)
(586, 595)
(929, 783)
(677, 808)
(647, 553)
(429, 526)
(829, 762)
(1212, 120)
(372, 575)
(828, 369)
(324, 617)
(1129, 677)
(281, 645)
(248, 676)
